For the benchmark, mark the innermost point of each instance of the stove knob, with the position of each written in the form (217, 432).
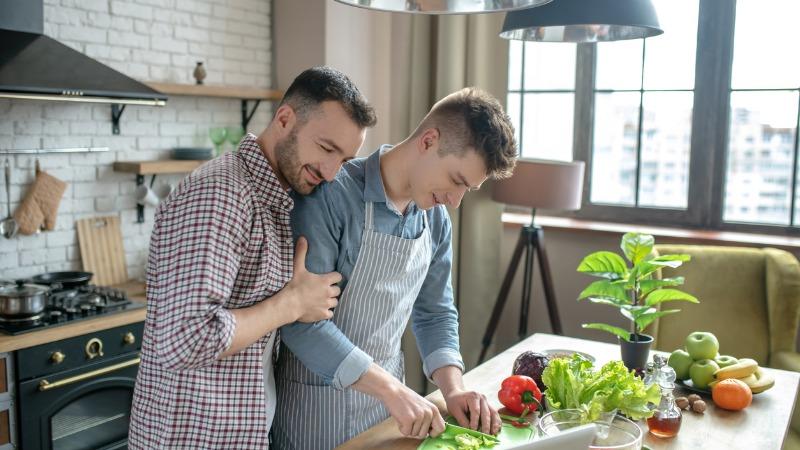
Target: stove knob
(71, 311)
(57, 358)
(129, 338)
(85, 309)
(55, 316)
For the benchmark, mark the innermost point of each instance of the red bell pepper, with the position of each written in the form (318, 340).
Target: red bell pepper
(520, 394)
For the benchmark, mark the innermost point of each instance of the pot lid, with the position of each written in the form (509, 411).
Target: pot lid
(22, 289)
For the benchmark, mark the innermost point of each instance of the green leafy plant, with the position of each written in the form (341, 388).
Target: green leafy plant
(632, 289)
(575, 384)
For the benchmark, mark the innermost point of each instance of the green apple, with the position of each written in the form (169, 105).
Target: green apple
(680, 361)
(702, 373)
(702, 345)
(725, 361)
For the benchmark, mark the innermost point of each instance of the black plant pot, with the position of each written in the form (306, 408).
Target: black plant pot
(636, 352)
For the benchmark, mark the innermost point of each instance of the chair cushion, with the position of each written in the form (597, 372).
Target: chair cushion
(792, 441)
(730, 283)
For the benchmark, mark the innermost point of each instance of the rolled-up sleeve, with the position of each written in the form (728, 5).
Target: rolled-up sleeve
(321, 346)
(195, 254)
(435, 318)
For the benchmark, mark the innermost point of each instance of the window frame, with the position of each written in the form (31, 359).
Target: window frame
(710, 128)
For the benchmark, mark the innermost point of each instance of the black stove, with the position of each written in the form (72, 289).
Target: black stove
(70, 305)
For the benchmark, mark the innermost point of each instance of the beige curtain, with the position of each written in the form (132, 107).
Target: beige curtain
(432, 57)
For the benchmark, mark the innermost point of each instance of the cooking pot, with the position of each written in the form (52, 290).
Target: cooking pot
(21, 300)
(66, 280)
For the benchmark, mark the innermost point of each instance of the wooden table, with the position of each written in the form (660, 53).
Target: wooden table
(763, 425)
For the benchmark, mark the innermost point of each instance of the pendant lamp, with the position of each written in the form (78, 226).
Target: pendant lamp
(583, 21)
(444, 6)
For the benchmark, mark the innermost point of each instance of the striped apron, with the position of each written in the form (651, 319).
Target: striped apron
(373, 312)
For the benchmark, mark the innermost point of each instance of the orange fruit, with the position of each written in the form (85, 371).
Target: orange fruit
(732, 394)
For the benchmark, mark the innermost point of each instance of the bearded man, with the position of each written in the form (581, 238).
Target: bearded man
(223, 273)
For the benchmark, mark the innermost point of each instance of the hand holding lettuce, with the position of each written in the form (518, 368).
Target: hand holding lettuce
(573, 383)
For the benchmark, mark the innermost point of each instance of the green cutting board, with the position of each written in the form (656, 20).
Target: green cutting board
(509, 435)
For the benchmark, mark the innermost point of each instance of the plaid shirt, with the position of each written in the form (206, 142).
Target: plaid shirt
(221, 241)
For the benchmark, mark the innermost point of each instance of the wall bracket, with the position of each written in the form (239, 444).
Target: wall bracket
(116, 113)
(247, 116)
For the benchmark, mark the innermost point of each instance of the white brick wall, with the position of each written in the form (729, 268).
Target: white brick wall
(151, 40)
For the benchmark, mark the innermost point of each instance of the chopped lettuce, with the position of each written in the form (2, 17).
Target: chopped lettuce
(573, 383)
(466, 441)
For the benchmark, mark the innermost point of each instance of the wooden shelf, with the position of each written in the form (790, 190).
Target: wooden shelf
(157, 167)
(205, 90)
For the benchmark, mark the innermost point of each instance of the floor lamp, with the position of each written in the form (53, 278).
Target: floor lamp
(535, 184)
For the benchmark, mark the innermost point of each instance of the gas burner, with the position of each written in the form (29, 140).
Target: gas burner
(71, 304)
(22, 321)
(94, 299)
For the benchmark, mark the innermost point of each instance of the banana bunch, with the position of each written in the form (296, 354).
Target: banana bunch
(748, 371)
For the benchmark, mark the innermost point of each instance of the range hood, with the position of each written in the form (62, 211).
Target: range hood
(36, 67)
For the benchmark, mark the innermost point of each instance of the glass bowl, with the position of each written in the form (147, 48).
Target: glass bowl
(613, 431)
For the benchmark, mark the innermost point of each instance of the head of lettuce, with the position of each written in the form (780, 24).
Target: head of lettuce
(575, 384)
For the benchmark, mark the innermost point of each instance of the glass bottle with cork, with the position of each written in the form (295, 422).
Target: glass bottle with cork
(666, 419)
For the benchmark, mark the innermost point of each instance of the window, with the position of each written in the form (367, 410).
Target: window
(643, 96)
(666, 138)
(765, 82)
(541, 97)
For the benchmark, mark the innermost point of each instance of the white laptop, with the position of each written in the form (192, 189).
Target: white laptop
(577, 438)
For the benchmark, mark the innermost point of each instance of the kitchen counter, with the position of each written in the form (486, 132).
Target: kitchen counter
(135, 291)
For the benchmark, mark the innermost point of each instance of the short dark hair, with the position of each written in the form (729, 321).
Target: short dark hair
(319, 84)
(473, 118)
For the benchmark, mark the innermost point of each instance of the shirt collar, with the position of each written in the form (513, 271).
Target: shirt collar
(373, 182)
(265, 181)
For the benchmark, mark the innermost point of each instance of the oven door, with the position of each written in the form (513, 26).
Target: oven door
(84, 408)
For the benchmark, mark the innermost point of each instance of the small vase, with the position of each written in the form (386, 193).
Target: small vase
(636, 352)
(199, 72)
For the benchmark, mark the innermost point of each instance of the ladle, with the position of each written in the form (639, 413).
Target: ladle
(8, 227)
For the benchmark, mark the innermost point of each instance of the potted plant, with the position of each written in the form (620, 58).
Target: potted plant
(634, 291)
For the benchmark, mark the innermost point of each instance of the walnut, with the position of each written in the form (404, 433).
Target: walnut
(699, 406)
(682, 402)
(693, 398)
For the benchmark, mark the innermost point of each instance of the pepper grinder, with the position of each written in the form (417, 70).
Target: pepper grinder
(199, 72)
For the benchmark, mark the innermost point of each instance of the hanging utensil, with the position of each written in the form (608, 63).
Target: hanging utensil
(8, 227)
(36, 171)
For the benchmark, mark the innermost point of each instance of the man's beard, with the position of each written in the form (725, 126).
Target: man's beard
(289, 164)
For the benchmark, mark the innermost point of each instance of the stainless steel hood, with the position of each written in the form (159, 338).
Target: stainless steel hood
(34, 66)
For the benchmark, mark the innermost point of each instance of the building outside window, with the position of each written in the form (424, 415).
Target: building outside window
(690, 128)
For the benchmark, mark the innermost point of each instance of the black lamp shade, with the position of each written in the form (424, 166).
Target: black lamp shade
(444, 6)
(583, 21)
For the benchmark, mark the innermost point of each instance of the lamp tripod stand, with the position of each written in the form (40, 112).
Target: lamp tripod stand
(531, 239)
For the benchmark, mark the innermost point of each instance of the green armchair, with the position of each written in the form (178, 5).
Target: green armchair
(749, 298)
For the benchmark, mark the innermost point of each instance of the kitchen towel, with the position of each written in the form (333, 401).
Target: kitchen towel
(40, 206)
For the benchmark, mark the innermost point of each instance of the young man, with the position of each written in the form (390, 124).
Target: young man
(220, 276)
(382, 224)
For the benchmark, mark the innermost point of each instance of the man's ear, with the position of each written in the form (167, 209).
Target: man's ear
(285, 119)
(429, 140)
